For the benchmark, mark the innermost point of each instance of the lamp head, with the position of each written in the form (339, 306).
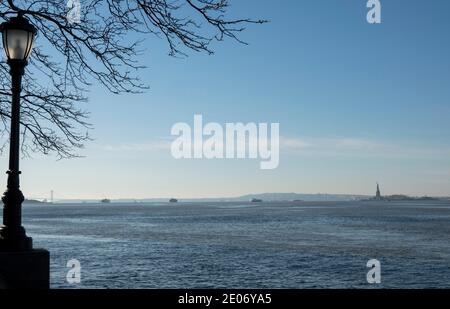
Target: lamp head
(18, 38)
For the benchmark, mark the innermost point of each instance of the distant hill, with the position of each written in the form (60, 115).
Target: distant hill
(303, 197)
(27, 201)
(401, 197)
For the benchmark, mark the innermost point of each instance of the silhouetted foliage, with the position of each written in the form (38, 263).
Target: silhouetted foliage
(69, 57)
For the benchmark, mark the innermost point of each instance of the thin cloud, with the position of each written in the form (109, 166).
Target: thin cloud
(141, 147)
(351, 146)
(345, 146)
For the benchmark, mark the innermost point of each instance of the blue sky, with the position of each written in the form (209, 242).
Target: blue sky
(357, 103)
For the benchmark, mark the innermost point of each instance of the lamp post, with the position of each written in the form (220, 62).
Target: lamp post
(18, 37)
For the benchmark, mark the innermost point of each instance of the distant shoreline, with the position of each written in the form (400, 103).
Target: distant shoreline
(264, 197)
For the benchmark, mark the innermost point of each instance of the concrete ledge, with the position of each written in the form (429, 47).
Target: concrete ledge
(25, 269)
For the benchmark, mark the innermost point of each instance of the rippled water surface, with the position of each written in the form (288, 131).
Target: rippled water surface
(245, 245)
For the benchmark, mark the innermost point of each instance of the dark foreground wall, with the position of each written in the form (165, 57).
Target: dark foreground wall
(25, 270)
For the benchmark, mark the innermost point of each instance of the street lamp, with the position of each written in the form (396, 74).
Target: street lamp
(18, 37)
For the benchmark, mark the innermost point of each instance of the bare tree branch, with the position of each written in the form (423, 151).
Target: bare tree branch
(102, 48)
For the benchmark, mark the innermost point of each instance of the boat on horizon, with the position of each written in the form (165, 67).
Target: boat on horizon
(105, 201)
(173, 200)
